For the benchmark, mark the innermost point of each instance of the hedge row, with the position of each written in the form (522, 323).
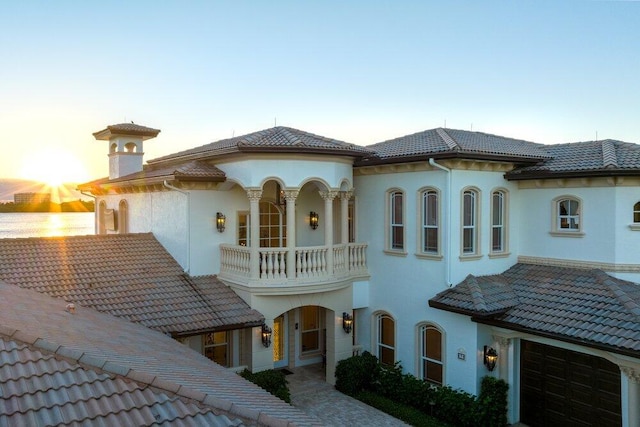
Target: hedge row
(456, 407)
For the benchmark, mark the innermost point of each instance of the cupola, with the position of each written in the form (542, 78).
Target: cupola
(125, 147)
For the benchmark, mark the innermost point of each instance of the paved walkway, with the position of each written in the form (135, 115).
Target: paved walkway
(311, 394)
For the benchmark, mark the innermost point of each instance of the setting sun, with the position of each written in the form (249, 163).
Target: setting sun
(54, 168)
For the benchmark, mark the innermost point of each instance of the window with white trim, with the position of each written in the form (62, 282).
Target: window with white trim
(498, 221)
(431, 360)
(636, 213)
(396, 220)
(215, 346)
(386, 350)
(430, 221)
(470, 222)
(568, 215)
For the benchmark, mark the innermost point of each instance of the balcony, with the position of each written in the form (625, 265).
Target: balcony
(313, 267)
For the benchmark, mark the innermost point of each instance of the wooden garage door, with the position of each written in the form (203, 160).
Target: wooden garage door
(564, 388)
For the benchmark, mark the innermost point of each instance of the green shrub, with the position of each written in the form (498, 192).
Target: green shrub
(363, 376)
(356, 373)
(271, 380)
(402, 412)
(492, 402)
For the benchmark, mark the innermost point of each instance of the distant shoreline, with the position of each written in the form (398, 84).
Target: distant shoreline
(79, 206)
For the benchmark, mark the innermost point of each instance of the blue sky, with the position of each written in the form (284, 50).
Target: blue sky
(359, 71)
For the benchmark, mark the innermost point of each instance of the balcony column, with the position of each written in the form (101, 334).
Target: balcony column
(254, 196)
(328, 197)
(290, 196)
(345, 196)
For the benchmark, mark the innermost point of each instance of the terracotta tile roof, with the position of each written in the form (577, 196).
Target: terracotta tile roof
(585, 306)
(129, 275)
(454, 143)
(277, 139)
(107, 371)
(38, 389)
(126, 129)
(608, 157)
(187, 171)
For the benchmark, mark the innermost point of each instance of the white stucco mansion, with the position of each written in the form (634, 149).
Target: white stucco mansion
(434, 249)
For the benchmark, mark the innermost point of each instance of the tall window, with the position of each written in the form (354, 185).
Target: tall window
(243, 229)
(123, 217)
(272, 226)
(430, 221)
(310, 334)
(498, 216)
(636, 212)
(386, 339)
(216, 347)
(431, 366)
(568, 211)
(396, 231)
(469, 222)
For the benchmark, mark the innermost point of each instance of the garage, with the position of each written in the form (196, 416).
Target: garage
(565, 388)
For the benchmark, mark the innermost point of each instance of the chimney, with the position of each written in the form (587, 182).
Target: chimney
(125, 147)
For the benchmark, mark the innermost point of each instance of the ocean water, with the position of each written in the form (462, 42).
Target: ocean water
(46, 224)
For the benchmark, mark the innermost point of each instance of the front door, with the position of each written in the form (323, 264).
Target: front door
(280, 342)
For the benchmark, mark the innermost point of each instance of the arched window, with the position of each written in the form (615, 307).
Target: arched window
(470, 199)
(431, 354)
(102, 208)
(130, 147)
(567, 214)
(498, 221)
(396, 220)
(636, 213)
(113, 148)
(430, 214)
(123, 217)
(386, 340)
(272, 226)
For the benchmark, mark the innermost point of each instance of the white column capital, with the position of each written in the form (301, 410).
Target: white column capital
(291, 195)
(328, 195)
(631, 373)
(502, 341)
(347, 195)
(254, 194)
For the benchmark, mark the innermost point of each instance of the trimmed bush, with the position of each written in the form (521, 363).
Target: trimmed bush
(363, 377)
(271, 380)
(356, 373)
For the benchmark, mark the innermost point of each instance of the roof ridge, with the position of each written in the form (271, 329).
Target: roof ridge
(476, 293)
(613, 287)
(451, 143)
(609, 157)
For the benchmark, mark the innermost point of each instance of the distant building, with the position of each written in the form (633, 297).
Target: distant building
(35, 198)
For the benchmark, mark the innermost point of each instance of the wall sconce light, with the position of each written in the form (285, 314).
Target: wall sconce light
(220, 221)
(490, 358)
(313, 220)
(347, 322)
(266, 335)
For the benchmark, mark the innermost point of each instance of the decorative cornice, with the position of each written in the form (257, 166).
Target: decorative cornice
(555, 262)
(502, 341)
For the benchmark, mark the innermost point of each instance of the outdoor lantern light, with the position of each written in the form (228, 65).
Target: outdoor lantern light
(490, 358)
(313, 219)
(220, 221)
(266, 335)
(347, 322)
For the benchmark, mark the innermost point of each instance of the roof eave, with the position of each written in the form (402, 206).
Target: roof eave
(600, 173)
(491, 321)
(445, 155)
(471, 313)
